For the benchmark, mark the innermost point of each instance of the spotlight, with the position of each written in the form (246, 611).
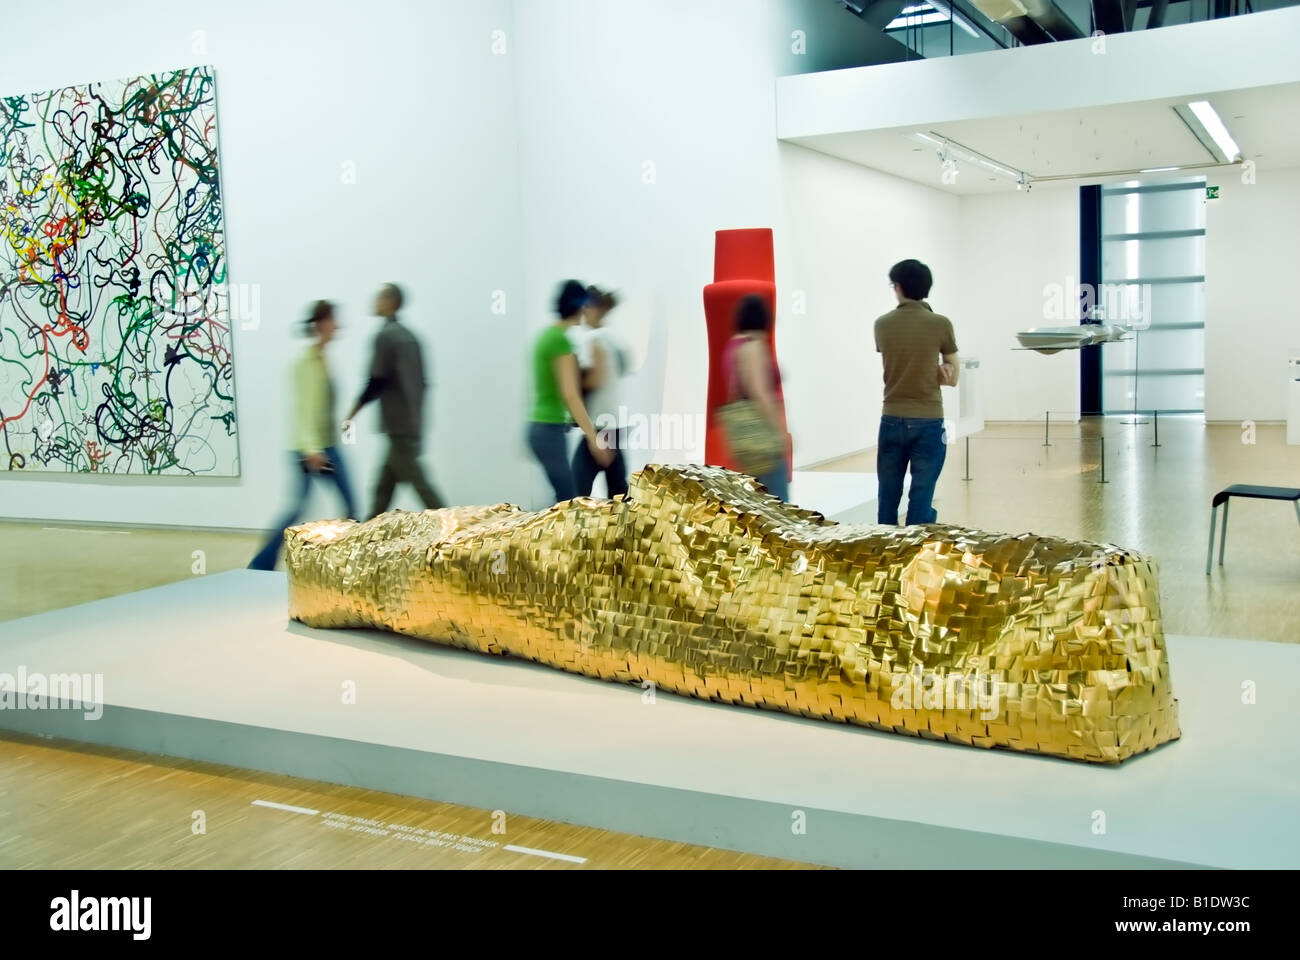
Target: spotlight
(950, 150)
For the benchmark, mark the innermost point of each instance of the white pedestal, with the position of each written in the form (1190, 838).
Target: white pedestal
(211, 669)
(1293, 398)
(970, 398)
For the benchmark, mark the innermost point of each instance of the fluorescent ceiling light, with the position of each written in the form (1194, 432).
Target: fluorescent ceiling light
(1159, 169)
(1210, 119)
(1206, 125)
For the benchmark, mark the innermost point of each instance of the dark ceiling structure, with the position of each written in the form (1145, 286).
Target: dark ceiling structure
(1016, 22)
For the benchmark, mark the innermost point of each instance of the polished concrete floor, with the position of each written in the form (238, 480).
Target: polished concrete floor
(66, 805)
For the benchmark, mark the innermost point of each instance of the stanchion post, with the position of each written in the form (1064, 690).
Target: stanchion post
(1102, 441)
(967, 477)
(1047, 418)
(1155, 425)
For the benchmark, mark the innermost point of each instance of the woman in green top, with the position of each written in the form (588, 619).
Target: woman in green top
(558, 397)
(314, 435)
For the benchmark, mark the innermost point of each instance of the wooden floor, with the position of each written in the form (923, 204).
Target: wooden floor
(65, 805)
(86, 807)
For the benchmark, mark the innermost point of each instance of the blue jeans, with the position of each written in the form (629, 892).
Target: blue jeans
(777, 482)
(550, 445)
(265, 559)
(920, 443)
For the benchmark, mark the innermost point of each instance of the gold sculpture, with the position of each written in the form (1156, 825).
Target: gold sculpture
(700, 583)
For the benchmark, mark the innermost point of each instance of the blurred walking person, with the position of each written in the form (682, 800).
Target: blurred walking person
(557, 397)
(398, 382)
(919, 353)
(315, 439)
(603, 360)
(754, 415)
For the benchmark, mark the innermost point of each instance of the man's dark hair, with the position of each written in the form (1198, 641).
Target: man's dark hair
(913, 278)
(394, 291)
(752, 314)
(570, 298)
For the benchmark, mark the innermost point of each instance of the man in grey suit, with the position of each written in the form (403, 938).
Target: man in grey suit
(397, 381)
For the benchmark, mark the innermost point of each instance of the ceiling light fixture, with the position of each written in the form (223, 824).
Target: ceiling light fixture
(1097, 176)
(1212, 122)
(951, 150)
(1208, 127)
(1159, 169)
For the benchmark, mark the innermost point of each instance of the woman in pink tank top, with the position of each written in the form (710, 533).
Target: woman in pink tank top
(751, 375)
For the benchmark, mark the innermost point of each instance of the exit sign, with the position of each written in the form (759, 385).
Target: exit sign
(1211, 193)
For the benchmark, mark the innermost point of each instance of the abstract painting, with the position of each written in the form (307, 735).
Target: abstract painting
(115, 338)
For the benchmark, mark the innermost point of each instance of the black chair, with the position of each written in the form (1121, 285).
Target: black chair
(1225, 495)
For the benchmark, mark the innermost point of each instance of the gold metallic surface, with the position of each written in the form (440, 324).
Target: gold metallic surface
(702, 584)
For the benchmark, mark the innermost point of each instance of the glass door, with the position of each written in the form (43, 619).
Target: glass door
(1153, 285)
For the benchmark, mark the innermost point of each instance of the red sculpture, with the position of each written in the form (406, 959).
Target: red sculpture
(743, 264)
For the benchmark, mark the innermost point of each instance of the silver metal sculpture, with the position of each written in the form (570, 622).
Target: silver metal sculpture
(1051, 340)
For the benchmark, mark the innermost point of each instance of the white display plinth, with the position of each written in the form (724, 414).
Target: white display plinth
(1293, 398)
(211, 669)
(970, 398)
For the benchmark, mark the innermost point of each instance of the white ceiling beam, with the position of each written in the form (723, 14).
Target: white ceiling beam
(1187, 61)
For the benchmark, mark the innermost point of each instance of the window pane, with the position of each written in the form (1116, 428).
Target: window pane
(1168, 319)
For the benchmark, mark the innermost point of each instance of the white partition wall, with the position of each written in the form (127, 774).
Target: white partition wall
(479, 153)
(1014, 245)
(1252, 318)
(1019, 260)
(632, 155)
(496, 149)
(358, 145)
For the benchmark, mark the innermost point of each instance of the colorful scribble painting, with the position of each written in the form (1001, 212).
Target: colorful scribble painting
(115, 340)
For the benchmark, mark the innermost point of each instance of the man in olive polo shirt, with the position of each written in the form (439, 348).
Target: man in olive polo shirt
(919, 352)
(397, 381)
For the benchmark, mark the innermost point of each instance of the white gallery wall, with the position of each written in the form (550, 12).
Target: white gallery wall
(479, 153)
(634, 153)
(1016, 249)
(1252, 315)
(1250, 242)
(844, 227)
(488, 143)
(412, 100)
